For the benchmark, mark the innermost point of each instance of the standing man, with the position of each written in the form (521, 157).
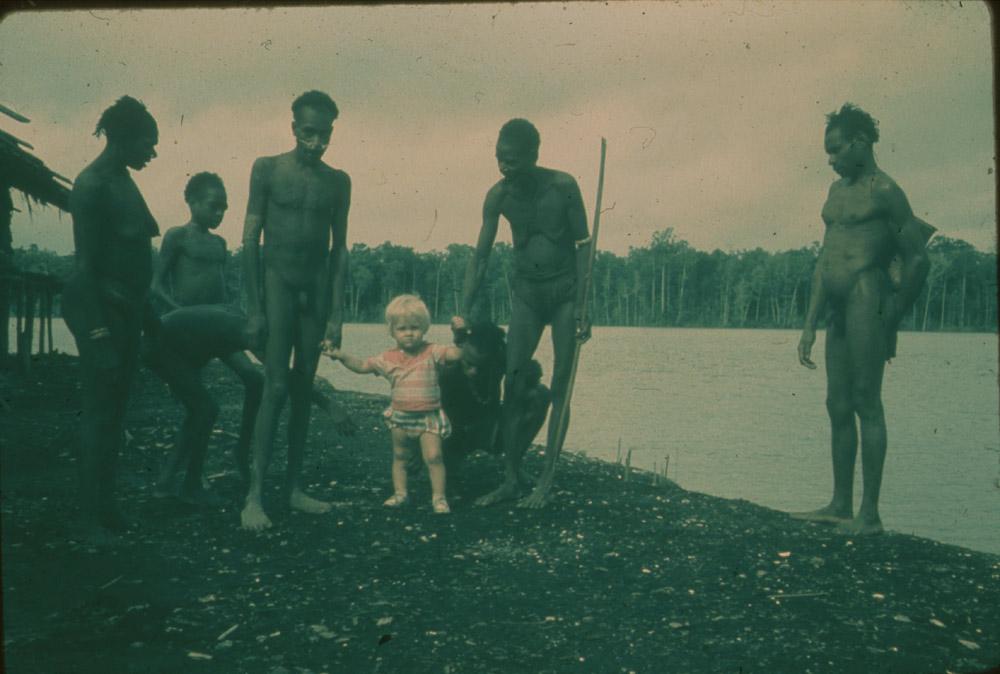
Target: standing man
(106, 300)
(295, 291)
(548, 223)
(868, 220)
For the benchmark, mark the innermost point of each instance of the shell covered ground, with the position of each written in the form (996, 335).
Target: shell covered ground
(614, 576)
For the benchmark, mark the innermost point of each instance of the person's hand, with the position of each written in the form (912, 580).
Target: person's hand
(332, 338)
(582, 329)
(255, 332)
(459, 329)
(335, 354)
(805, 348)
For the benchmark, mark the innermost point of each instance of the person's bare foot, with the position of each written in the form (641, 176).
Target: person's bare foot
(307, 504)
(860, 526)
(539, 497)
(253, 517)
(505, 492)
(202, 498)
(828, 515)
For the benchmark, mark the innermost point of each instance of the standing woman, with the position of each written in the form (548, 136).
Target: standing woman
(106, 299)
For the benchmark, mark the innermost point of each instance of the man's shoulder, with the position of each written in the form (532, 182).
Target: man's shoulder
(268, 163)
(882, 184)
(337, 177)
(561, 178)
(497, 191)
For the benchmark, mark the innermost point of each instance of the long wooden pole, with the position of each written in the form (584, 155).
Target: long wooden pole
(564, 415)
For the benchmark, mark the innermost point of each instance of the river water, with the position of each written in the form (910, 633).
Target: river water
(740, 418)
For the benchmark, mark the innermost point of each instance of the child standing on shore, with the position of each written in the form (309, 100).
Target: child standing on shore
(415, 412)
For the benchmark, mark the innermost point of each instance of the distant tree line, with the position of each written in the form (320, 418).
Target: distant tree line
(665, 283)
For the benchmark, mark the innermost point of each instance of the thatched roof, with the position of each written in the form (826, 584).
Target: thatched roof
(25, 172)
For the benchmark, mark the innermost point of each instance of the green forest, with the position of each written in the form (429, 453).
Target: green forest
(665, 283)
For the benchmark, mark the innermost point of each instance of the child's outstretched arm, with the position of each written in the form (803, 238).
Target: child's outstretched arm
(352, 363)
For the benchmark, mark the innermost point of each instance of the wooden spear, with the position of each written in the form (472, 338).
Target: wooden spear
(563, 417)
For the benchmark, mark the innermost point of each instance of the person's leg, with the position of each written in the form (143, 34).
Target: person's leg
(126, 327)
(97, 398)
(523, 333)
(253, 391)
(843, 430)
(279, 306)
(202, 412)
(867, 343)
(183, 380)
(400, 455)
(311, 327)
(563, 347)
(430, 447)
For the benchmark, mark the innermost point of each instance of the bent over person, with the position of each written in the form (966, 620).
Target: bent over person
(548, 224)
(868, 221)
(295, 291)
(105, 302)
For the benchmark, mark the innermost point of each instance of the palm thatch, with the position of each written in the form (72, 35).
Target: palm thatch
(27, 173)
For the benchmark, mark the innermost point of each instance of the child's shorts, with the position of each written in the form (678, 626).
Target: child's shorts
(433, 421)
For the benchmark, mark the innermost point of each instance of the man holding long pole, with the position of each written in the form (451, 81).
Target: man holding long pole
(552, 260)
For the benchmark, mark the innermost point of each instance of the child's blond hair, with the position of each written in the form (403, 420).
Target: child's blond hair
(408, 306)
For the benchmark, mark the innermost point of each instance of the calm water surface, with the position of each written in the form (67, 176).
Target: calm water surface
(740, 418)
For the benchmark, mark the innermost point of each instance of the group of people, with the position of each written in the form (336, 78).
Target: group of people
(295, 260)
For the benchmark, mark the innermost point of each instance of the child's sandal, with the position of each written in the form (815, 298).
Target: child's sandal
(396, 500)
(440, 506)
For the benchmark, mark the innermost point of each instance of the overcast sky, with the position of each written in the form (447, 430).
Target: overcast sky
(713, 111)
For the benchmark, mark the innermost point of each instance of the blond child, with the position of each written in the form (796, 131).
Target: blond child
(415, 413)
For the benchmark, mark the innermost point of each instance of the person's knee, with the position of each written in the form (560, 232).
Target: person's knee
(839, 408)
(866, 401)
(433, 456)
(276, 387)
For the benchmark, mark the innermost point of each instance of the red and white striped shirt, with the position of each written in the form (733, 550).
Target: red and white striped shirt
(414, 379)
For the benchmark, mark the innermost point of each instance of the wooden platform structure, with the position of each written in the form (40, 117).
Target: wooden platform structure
(31, 293)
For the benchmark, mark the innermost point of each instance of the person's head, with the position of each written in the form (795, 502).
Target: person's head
(517, 147)
(850, 134)
(131, 130)
(484, 351)
(313, 114)
(408, 320)
(206, 197)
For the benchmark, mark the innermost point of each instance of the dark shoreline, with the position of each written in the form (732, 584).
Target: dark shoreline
(613, 577)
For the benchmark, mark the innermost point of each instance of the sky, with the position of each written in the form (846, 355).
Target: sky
(713, 111)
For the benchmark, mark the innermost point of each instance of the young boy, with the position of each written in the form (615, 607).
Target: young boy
(193, 258)
(415, 413)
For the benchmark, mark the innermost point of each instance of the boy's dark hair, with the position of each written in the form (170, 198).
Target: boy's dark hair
(126, 119)
(852, 121)
(315, 99)
(199, 182)
(522, 133)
